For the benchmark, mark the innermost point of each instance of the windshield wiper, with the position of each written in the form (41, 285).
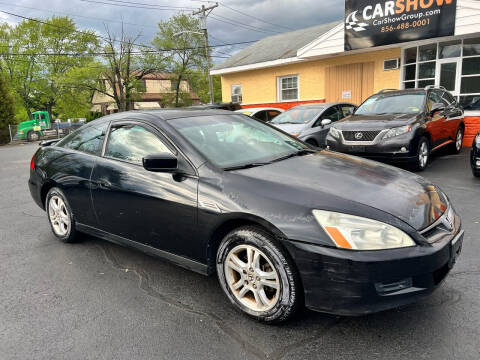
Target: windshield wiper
(246, 166)
(297, 153)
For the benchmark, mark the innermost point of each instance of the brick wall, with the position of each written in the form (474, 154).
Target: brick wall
(472, 127)
(283, 105)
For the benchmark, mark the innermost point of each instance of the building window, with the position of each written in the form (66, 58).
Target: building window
(288, 88)
(454, 65)
(237, 94)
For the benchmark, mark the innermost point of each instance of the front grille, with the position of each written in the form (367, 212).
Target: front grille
(360, 135)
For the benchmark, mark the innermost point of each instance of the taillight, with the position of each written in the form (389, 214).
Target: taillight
(32, 162)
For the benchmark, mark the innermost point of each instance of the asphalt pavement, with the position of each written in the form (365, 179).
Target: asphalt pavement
(96, 300)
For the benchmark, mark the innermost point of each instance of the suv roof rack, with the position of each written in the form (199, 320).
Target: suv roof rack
(428, 87)
(385, 90)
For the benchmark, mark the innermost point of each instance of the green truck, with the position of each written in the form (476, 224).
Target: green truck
(41, 126)
(33, 130)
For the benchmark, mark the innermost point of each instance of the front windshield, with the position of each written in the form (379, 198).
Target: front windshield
(236, 140)
(297, 116)
(384, 104)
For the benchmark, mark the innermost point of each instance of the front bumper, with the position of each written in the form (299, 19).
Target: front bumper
(353, 283)
(397, 149)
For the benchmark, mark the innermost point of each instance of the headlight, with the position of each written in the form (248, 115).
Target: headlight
(397, 131)
(334, 132)
(358, 233)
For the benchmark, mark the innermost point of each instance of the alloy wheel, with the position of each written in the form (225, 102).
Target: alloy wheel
(252, 278)
(59, 216)
(459, 140)
(423, 155)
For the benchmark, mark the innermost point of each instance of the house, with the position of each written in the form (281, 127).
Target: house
(158, 88)
(379, 45)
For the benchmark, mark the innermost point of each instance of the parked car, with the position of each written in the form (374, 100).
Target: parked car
(280, 224)
(401, 126)
(311, 123)
(265, 114)
(219, 106)
(475, 156)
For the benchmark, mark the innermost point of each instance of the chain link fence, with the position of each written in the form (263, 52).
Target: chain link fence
(58, 131)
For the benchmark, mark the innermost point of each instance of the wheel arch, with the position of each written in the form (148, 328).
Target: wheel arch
(45, 189)
(233, 222)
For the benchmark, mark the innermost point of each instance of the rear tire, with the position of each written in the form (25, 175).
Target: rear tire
(422, 156)
(257, 275)
(33, 136)
(60, 216)
(457, 145)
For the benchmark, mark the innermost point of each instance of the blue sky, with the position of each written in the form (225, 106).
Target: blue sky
(260, 18)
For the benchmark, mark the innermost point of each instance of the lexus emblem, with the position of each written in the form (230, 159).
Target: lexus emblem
(358, 135)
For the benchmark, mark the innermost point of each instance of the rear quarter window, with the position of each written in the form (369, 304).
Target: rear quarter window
(88, 139)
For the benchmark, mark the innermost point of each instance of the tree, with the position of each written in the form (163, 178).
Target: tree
(36, 56)
(180, 35)
(7, 110)
(125, 65)
(198, 80)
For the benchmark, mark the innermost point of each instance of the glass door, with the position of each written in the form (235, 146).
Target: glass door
(448, 75)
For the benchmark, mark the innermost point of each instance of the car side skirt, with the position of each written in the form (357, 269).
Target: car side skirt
(173, 258)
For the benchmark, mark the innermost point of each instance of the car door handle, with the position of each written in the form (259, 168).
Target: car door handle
(104, 184)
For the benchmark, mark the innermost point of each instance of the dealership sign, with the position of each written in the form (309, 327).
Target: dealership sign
(374, 23)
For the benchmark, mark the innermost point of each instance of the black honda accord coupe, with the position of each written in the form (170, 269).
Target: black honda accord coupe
(282, 225)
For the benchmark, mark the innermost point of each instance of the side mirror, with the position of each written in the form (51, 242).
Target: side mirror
(437, 107)
(325, 122)
(162, 162)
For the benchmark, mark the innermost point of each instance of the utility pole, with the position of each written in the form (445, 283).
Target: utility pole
(204, 12)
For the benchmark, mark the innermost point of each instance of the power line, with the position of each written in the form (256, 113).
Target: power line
(80, 16)
(76, 31)
(248, 15)
(154, 5)
(157, 7)
(242, 25)
(149, 7)
(254, 17)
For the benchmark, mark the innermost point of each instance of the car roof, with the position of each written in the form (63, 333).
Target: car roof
(258, 109)
(404, 91)
(320, 105)
(162, 114)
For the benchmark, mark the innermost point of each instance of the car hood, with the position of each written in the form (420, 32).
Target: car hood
(341, 180)
(374, 122)
(290, 128)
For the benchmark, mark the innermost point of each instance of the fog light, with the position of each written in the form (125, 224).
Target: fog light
(404, 149)
(388, 288)
(478, 163)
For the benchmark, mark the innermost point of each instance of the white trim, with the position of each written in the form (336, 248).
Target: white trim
(279, 88)
(472, 113)
(261, 65)
(321, 39)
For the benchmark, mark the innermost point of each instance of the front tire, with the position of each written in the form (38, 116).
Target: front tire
(33, 136)
(258, 276)
(422, 155)
(476, 173)
(60, 216)
(457, 145)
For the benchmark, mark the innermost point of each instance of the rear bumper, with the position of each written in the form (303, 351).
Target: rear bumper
(354, 283)
(35, 189)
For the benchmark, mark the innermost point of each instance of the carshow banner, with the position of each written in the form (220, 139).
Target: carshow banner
(374, 23)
